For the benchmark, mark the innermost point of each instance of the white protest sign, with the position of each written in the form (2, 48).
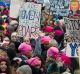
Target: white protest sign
(73, 29)
(14, 8)
(59, 7)
(29, 19)
(72, 49)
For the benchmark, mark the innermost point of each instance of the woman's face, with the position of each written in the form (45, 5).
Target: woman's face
(29, 54)
(13, 38)
(3, 66)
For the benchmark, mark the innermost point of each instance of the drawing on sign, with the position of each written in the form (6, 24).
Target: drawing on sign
(72, 49)
(61, 7)
(29, 19)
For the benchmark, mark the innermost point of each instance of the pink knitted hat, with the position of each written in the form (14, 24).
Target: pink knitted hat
(45, 39)
(65, 59)
(34, 62)
(48, 29)
(52, 52)
(58, 32)
(24, 48)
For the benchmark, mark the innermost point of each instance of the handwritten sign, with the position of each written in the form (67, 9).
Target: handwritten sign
(73, 29)
(29, 19)
(60, 7)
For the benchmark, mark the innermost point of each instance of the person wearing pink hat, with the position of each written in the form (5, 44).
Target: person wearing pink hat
(59, 37)
(26, 50)
(35, 65)
(45, 45)
(48, 30)
(35, 62)
(45, 39)
(52, 52)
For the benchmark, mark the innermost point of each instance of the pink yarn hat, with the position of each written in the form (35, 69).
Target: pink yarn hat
(65, 59)
(58, 32)
(24, 48)
(34, 62)
(45, 39)
(52, 52)
(48, 29)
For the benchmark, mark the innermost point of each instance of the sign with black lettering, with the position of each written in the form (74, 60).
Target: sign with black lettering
(73, 29)
(29, 19)
(59, 7)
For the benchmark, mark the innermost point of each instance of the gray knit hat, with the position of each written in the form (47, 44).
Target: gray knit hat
(25, 69)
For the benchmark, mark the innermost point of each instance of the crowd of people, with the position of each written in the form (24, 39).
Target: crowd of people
(43, 55)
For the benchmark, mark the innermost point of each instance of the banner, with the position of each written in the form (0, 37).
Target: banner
(29, 19)
(59, 7)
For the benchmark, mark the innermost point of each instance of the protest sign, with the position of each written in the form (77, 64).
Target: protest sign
(72, 29)
(73, 33)
(6, 2)
(29, 19)
(14, 8)
(72, 49)
(60, 7)
(74, 7)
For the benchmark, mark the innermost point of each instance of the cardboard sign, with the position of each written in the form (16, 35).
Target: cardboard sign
(60, 7)
(29, 19)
